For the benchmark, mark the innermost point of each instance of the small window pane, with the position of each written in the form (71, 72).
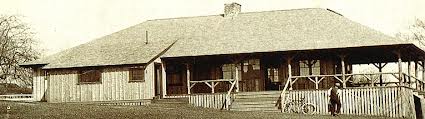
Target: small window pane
(137, 74)
(89, 76)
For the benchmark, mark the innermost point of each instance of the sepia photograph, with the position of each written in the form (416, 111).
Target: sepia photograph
(212, 59)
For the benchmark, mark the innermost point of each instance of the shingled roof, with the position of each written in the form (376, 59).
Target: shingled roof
(124, 47)
(268, 31)
(286, 30)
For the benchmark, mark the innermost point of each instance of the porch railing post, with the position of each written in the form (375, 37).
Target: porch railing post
(212, 87)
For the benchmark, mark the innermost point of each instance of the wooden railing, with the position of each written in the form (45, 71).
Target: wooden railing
(282, 94)
(417, 83)
(17, 97)
(210, 83)
(372, 79)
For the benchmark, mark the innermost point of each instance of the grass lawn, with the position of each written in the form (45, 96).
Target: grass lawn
(151, 111)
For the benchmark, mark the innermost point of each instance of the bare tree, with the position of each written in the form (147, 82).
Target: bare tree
(416, 32)
(16, 46)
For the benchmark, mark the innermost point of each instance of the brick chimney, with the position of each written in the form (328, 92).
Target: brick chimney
(232, 9)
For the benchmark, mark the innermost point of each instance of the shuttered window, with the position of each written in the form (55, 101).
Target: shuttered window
(137, 74)
(89, 76)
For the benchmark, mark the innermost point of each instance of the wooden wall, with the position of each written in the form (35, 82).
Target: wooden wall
(114, 86)
(39, 85)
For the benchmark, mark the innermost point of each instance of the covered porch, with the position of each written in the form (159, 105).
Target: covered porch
(308, 69)
(297, 74)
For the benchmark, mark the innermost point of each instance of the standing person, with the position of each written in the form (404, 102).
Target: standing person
(334, 101)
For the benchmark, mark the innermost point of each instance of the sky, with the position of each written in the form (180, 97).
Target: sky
(62, 24)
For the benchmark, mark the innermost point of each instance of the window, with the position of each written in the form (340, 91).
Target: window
(89, 76)
(306, 70)
(273, 74)
(229, 71)
(137, 74)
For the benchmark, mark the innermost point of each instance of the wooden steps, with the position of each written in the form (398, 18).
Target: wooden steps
(256, 101)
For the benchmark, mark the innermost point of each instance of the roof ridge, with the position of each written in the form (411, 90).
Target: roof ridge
(252, 12)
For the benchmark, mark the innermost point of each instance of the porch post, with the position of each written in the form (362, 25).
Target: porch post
(416, 75)
(344, 85)
(237, 78)
(400, 70)
(164, 79)
(380, 71)
(409, 73)
(289, 72)
(212, 87)
(423, 73)
(416, 69)
(188, 78)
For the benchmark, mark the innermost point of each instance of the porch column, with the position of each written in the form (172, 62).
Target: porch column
(164, 79)
(289, 72)
(409, 73)
(400, 69)
(344, 85)
(237, 78)
(380, 66)
(416, 75)
(423, 74)
(188, 78)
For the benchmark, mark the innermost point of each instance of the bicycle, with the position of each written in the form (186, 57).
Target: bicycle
(299, 106)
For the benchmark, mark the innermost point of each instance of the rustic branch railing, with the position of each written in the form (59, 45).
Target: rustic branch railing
(210, 83)
(419, 84)
(406, 79)
(282, 94)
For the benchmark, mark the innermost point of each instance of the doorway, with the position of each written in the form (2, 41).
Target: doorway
(251, 76)
(158, 79)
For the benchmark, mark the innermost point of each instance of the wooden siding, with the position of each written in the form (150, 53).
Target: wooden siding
(39, 85)
(114, 86)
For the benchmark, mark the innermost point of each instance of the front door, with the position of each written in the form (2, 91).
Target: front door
(251, 76)
(272, 81)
